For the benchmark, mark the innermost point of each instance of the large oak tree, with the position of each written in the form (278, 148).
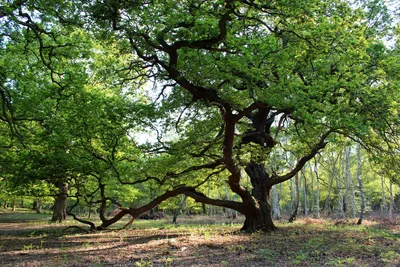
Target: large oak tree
(283, 75)
(240, 81)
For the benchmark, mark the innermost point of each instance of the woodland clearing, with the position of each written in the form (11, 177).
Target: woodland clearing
(28, 239)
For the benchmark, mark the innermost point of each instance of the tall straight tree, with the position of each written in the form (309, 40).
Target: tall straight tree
(383, 192)
(317, 192)
(360, 184)
(391, 200)
(347, 178)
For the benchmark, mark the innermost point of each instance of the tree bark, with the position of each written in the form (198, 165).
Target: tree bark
(353, 198)
(391, 203)
(292, 192)
(360, 184)
(297, 204)
(37, 206)
(347, 183)
(304, 193)
(258, 217)
(277, 212)
(312, 200)
(60, 204)
(317, 191)
(291, 204)
(227, 212)
(179, 209)
(383, 203)
(327, 208)
(257, 208)
(340, 210)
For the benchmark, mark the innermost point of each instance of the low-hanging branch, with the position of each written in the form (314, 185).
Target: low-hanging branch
(135, 212)
(200, 197)
(76, 218)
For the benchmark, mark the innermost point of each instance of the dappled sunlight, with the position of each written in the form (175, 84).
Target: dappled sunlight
(304, 242)
(199, 133)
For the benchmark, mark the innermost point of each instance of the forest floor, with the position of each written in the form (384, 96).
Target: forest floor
(28, 239)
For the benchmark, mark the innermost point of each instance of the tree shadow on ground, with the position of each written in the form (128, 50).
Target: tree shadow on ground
(301, 244)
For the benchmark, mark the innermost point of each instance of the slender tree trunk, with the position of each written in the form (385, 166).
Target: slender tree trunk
(275, 195)
(292, 193)
(275, 198)
(353, 199)
(234, 212)
(203, 207)
(340, 198)
(391, 203)
(60, 204)
(383, 203)
(317, 192)
(210, 210)
(210, 207)
(304, 194)
(328, 198)
(90, 211)
(340, 210)
(291, 204)
(228, 211)
(179, 210)
(280, 194)
(312, 200)
(37, 206)
(347, 183)
(297, 204)
(360, 184)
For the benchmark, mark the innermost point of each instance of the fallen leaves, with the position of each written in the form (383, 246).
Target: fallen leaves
(304, 243)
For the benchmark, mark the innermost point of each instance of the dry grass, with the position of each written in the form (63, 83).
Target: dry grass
(201, 241)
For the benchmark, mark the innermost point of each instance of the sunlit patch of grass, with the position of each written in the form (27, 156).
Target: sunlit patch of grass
(143, 263)
(28, 247)
(15, 217)
(267, 254)
(161, 243)
(391, 257)
(349, 261)
(300, 257)
(86, 245)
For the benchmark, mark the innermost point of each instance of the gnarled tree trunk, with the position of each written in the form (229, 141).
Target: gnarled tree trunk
(258, 210)
(60, 204)
(258, 217)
